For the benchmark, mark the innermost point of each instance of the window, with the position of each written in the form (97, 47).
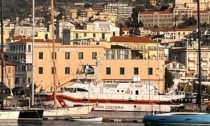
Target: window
(29, 80)
(67, 70)
(150, 71)
(52, 70)
(67, 55)
(46, 36)
(77, 35)
(94, 34)
(113, 33)
(103, 36)
(40, 70)
(110, 54)
(9, 70)
(85, 34)
(136, 70)
(40, 55)
(122, 54)
(29, 48)
(53, 55)
(80, 55)
(122, 70)
(94, 55)
(108, 70)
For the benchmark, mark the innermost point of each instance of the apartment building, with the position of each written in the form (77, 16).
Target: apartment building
(122, 10)
(204, 4)
(117, 64)
(98, 30)
(20, 53)
(156, 18)
(186, 52)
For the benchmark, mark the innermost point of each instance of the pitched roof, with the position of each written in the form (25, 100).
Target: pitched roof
(168, 61)
(131, 39)
(201, 11)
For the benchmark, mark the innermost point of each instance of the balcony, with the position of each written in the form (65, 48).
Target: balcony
(204, 58)
(204, 67)
(191, 58)
(191, 68)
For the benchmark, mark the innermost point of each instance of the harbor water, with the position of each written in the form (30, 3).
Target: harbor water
(72, 123)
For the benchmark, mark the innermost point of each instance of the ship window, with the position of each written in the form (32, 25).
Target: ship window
(82, 90)
(122, 90)
(117, 90)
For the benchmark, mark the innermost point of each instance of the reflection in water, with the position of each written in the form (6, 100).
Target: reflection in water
(159, 124)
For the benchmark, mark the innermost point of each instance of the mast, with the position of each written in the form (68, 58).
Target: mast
(2, 58)
(53, 55)
(32, 86)
(199, 57)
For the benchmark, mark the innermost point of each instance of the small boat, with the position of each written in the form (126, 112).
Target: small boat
(178, 118)
(31, 115)
(87, 119)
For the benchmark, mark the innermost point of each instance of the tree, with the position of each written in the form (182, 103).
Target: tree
(136, 11)
(168, 79)
(141, 24)
(191, 21)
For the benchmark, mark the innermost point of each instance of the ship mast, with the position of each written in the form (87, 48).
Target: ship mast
(199, 57)
(53, 55)
(2, 58)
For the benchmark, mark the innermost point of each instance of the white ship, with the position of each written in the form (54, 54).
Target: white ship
(113, 96)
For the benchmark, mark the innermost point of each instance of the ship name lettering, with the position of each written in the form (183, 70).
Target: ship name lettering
(114, 107)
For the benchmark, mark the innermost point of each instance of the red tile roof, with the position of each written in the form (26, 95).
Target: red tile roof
(160, 12)
(168, 61)
(131, 39)
(126, 29)
(201, 11)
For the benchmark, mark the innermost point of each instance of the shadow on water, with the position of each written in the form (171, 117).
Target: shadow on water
(159, 124)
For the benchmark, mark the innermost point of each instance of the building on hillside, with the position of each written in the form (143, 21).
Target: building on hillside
(123, 10)
(186, 52)
(204, 4)
(156, 18)
(171, 35)
(147, 47)
(98, 30)
(178, 70)
(71, 58)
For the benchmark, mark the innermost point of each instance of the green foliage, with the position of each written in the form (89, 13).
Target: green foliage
(117, 47)
(191, 21)
(87, 5)
(141, 24)
(168, 79)
(136, 11)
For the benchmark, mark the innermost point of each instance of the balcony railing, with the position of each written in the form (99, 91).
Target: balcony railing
(191, 58)
(191, 68)
(204, 58)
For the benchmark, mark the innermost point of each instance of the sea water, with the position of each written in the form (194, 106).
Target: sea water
(70, 123)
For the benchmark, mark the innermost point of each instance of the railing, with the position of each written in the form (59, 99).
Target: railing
(192, 58)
